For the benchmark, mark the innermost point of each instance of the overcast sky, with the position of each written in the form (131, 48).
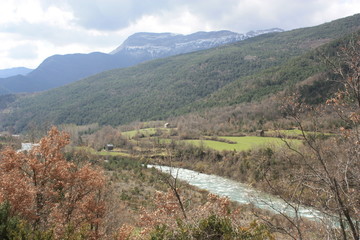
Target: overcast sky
(31, 30)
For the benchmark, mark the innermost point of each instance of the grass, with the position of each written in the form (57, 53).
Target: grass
(146, 132)
(104, 152)
(113, 153)
(295, 133)
(292, 132)
(239, 143)
(242, 143)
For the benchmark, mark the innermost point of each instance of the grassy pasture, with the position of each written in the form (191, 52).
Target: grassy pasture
(147, 132)
(295, 133)
(104, 152)
(286, 133)
(242, 143)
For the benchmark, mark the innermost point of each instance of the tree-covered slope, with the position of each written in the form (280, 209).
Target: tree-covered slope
(166, 87)
(59, 70)
(272, 80)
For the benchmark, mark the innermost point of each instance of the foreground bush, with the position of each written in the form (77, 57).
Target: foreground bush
(213, 220)
(49, 193)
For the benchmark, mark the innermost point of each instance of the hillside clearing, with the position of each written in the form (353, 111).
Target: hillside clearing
(242, 143)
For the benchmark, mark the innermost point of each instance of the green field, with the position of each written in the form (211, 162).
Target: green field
(103, 152)
(242, 143)
(292, 132)
(147, 132)
(295, 133)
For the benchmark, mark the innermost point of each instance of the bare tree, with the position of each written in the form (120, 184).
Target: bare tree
(331, 167)
(172, 182)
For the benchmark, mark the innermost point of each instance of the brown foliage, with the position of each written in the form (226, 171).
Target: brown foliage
(104, 136)
(50, 192)
(168, 213)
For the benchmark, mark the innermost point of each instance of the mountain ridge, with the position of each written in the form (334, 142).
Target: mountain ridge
(9, 72)
(169, 86)
(59, 70)
(171, 44)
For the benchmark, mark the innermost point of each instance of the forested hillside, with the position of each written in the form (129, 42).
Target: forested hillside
(308, 69)
(59, 70)
(245, 71)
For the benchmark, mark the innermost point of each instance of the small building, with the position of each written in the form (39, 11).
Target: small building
(260, 133)
(109, 147)
(28, 146)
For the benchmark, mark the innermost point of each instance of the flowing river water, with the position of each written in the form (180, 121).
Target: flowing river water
(240, 192)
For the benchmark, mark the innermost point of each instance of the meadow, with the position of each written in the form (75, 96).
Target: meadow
(115, 152)
(242, 143)
(229, 143)
(145, 132)
(291, 133)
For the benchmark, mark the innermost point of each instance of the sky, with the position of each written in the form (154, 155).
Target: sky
(32, 30)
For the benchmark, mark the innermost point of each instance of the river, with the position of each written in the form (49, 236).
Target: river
(239, 192)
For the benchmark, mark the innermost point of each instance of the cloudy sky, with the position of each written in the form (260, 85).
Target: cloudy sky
(31, 30)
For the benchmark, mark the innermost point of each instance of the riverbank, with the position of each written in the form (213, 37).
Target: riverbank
(277, 214)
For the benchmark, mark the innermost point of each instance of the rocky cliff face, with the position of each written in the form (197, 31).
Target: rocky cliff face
(155, 45)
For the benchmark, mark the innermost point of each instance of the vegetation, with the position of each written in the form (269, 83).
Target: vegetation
(330, 168)
(47, 194)
(240, 143)
(326, 166)
(158, 89)
(309, 149)
(213, 220)
(51, 193)
(144, 132)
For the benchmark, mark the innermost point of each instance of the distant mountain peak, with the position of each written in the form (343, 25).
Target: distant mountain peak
(14, 71)
(153, 36)
(139, 47)
(154, 45)
(265, 31)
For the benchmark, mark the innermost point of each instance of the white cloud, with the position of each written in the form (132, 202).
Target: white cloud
(46, 27)
(335, 9)
(24, 51)
(183, 22)
(33, 12)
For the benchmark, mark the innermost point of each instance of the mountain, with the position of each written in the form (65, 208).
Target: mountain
(247, 70)
(4, 73)
(59, 70)
(157, 45)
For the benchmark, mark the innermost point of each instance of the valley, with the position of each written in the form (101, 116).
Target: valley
(276, 112)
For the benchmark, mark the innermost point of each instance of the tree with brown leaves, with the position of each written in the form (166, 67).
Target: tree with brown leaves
(49, 192)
